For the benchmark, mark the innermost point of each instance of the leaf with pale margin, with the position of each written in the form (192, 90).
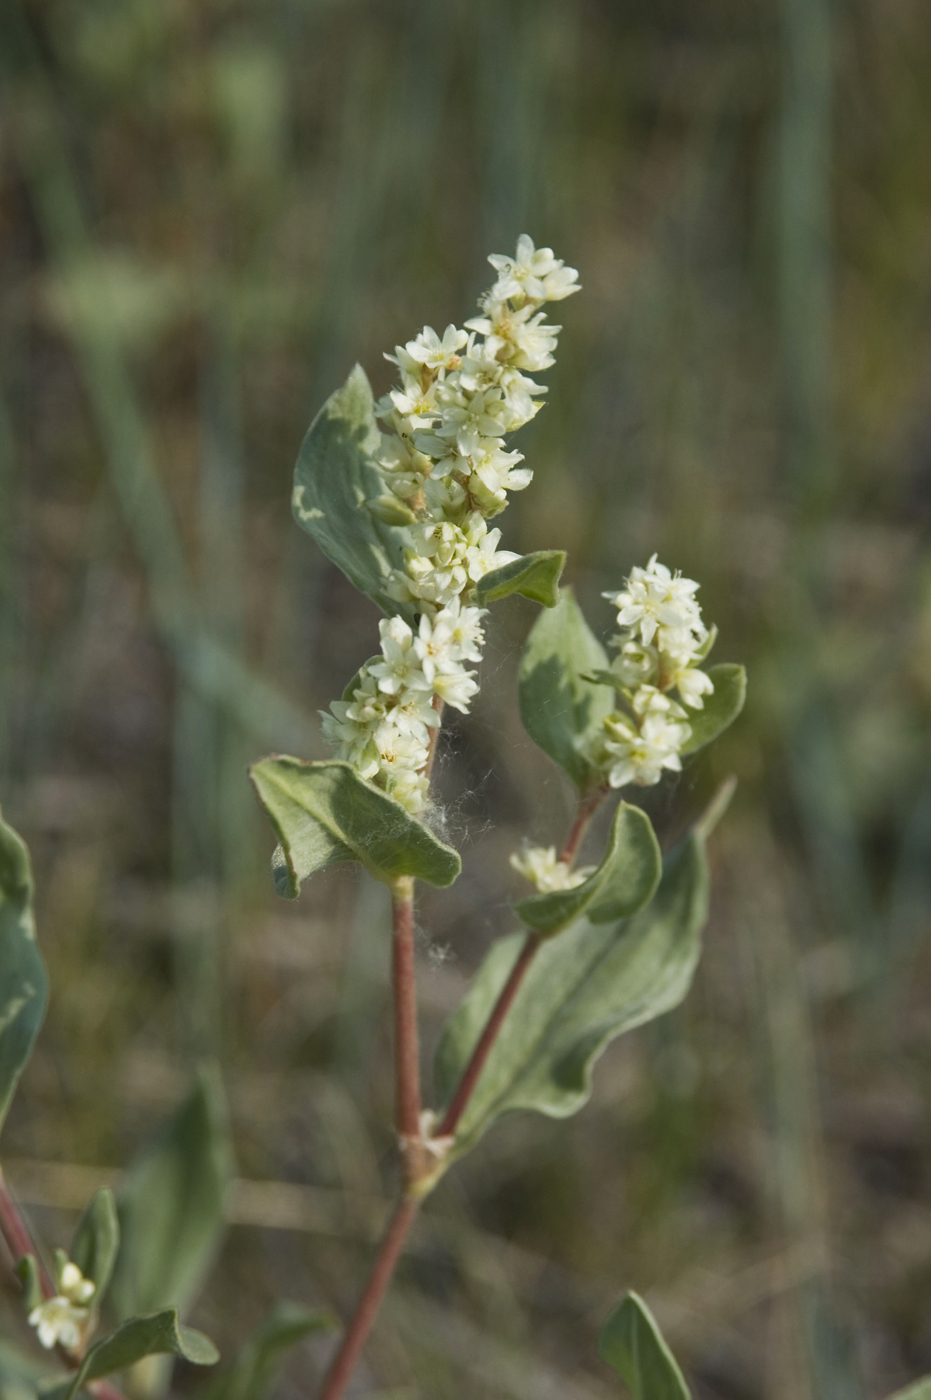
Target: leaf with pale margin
(254, 1369)
(23, 981)
(918, 1390)
(171, 1206)
(157, 1334)
(96, 1242)
(632, 1343)
(535, 576)
(324, 813)
(561, 711)
(335, 477)
(720, 709)
(624, 882)
(582, 989)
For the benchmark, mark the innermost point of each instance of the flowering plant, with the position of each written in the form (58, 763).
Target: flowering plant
(399, 494)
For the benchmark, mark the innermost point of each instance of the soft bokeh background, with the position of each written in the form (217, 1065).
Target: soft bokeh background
(208, 210)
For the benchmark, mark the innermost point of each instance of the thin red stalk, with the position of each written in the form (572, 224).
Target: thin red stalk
(375, 1289)
(470, 1076)
(18, 1239)
(587, 808)
(488, 1037)
(406, 1039)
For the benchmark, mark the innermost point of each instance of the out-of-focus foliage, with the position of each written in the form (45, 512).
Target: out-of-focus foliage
(208, 214)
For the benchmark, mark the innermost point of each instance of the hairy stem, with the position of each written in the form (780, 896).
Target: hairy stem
(406, 1038)
(368, 1305)
(18, 1239)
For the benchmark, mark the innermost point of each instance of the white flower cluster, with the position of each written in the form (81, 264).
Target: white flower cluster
(662, 641)
(383, 728)
(62, 1320)
(446, 473)
(539, 865)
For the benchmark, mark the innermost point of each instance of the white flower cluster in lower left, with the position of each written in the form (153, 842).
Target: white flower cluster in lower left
(62, 1320)
(383, 728)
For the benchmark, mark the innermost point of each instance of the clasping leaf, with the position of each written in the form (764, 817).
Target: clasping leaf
(535, 576)
(720, 709)
(23, 981)
(336, 479)
(624, 882)
(324, 813)
(632, 1343)
(561, 710)
(582, 989)
(157, 1334)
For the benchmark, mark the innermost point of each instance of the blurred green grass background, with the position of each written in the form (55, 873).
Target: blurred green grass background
(209, 209)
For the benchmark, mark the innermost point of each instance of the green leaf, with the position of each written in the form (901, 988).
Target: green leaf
(562, 712)
(335, 480)
(27, 1270)
(918, 1390)
(23, 982)
(20, 1375)
(254, 1369)
(624, 882)
(325, 813)
(720, 708)
(535, 576)
(581, 990)
(171, 1206)
(631, 1342)
(157, 1334)
(97, 1241)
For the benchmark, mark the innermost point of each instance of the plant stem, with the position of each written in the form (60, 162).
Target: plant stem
(406, 1039)
(407, 1061)
(586, 810)
(368, 1305)
(488, 1037)
(19, 1241)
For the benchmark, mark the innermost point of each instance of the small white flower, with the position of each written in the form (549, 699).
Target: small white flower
(428, 349)
(640, 754)
(470, 420)
(397, 750)
(456, 688)
(400, 668)
(533, 272)
(434, 647)
(539, 865)
(466, 634)
(656, 599)
(692, 683)
(60, 1321)
(636, 663)
(410, 788)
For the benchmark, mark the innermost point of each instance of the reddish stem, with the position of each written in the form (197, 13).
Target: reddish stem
(488, 1037)
(406, 1038)
(587, 809)
(18, 1239)
(354, 1340)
